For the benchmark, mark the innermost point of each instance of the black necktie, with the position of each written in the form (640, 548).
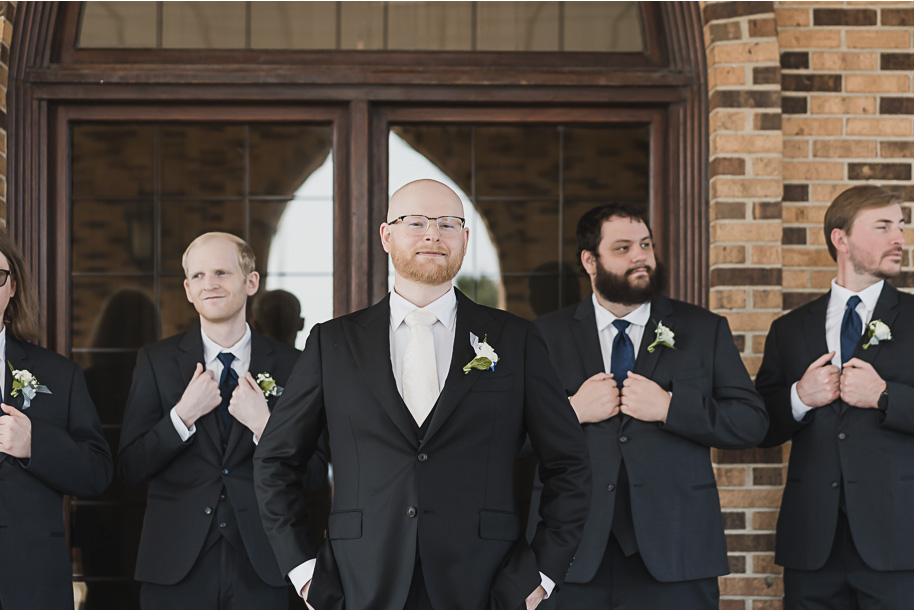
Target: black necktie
(227, 383)
(623, 357)
(851, 329)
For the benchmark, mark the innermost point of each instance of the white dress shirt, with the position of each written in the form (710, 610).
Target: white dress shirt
(834, 317)
(443, 330)
(211, 350)
(638, 319)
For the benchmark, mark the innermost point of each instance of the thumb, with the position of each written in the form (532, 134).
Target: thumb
(821, 361)
(10, 410)
(197, 372)
(600, 376)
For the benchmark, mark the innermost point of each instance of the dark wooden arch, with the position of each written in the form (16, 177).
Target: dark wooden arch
(48, 74)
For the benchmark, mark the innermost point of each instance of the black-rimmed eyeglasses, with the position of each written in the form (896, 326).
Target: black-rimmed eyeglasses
(417, 225)
(4, 276)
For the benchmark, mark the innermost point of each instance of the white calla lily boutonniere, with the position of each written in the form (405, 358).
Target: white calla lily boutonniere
(877, 332)
(268, 385)
(486, 357)
(665, 337)
(26, 383)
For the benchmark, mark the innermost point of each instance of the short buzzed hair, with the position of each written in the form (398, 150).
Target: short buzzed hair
(245, 253)
(849, 203)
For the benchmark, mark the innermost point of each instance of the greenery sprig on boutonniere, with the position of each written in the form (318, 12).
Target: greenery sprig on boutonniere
(26, 383)
(665, 337)
(268, 385)
(877, 332)
(486, 357)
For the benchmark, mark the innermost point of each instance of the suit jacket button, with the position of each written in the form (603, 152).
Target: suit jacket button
(841, 436)
(222, 497)
(410, 512)
(834, 485)
(207, 510)
(611, 487)
(225, 472)
(422, 457)
(222, 525)
(623, 439)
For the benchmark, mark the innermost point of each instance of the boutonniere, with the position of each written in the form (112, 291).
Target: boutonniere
(268, 385)
(25, 381)
(877, 332)
(664, 338)
(486, 357)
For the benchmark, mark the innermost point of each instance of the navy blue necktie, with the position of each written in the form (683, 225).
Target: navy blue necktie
(851, 329)
(623, 356)
(227, 383)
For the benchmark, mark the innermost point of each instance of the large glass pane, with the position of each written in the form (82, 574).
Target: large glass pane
(362, 25)
(524, 189)
(271, 184)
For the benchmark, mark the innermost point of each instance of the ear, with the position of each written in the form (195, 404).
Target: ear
(589, 262)
(12, 282)
(385, 237)
(187, 291)
(252, 283)
(466, 239)
(839, 240)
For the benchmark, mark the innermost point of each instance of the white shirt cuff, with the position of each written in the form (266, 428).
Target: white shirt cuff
(797, 406)
(547, 584)
(299, 576)
(182, 430)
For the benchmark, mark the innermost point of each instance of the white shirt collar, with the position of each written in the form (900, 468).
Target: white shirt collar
(868, 296)
(639, 316)
(445, 308)
(211, 349)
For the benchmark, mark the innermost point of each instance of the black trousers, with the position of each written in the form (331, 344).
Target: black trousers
(625, 583)
(846, 582)
(221, 579)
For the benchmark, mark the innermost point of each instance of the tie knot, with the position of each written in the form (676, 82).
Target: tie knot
(420, 317)
(226, 359)
(621, 325)
(853, 301)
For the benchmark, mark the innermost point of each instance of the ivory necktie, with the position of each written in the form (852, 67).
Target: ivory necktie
(420, 370)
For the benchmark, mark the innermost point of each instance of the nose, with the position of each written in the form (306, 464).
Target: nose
(432, 232)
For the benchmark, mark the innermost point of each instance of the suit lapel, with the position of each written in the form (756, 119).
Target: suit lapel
(190, 353)
(261, 361)
(15, 357)
(646, 362)
(586, 337)
(886, 311)
(814, 327)
(471, 318)
(369, 340)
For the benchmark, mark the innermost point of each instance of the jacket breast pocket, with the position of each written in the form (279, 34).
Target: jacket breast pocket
(496, 525)
(345, 525)
(489, 384)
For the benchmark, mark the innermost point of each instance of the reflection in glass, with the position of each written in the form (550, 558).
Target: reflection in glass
(517, 26)
(293, 25)
(362, 25)
(602, 26)
(525, 189)
(203, 25)
(117, 25)
(140, 194)
(433, 26)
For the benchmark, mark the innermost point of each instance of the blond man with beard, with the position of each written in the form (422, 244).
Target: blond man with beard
(424, 431)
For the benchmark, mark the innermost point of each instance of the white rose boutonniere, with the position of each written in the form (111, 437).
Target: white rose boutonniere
(665, 337)
(486, 357)
(268, 385)
(877, 332)
(26, 383)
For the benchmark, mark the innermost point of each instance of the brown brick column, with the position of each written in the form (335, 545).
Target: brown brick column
(746, 188)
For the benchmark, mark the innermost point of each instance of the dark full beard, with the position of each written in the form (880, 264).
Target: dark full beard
(617, 288)
(412, 270)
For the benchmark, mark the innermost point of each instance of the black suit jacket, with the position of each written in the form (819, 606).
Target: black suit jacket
(867, 452)
(675, 506)
(186, 478)
(69, 457)
(449, 495)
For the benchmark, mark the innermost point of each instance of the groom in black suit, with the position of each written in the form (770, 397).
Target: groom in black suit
(428, 398)
(193, 417)
(655, 383)
(838, 380)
